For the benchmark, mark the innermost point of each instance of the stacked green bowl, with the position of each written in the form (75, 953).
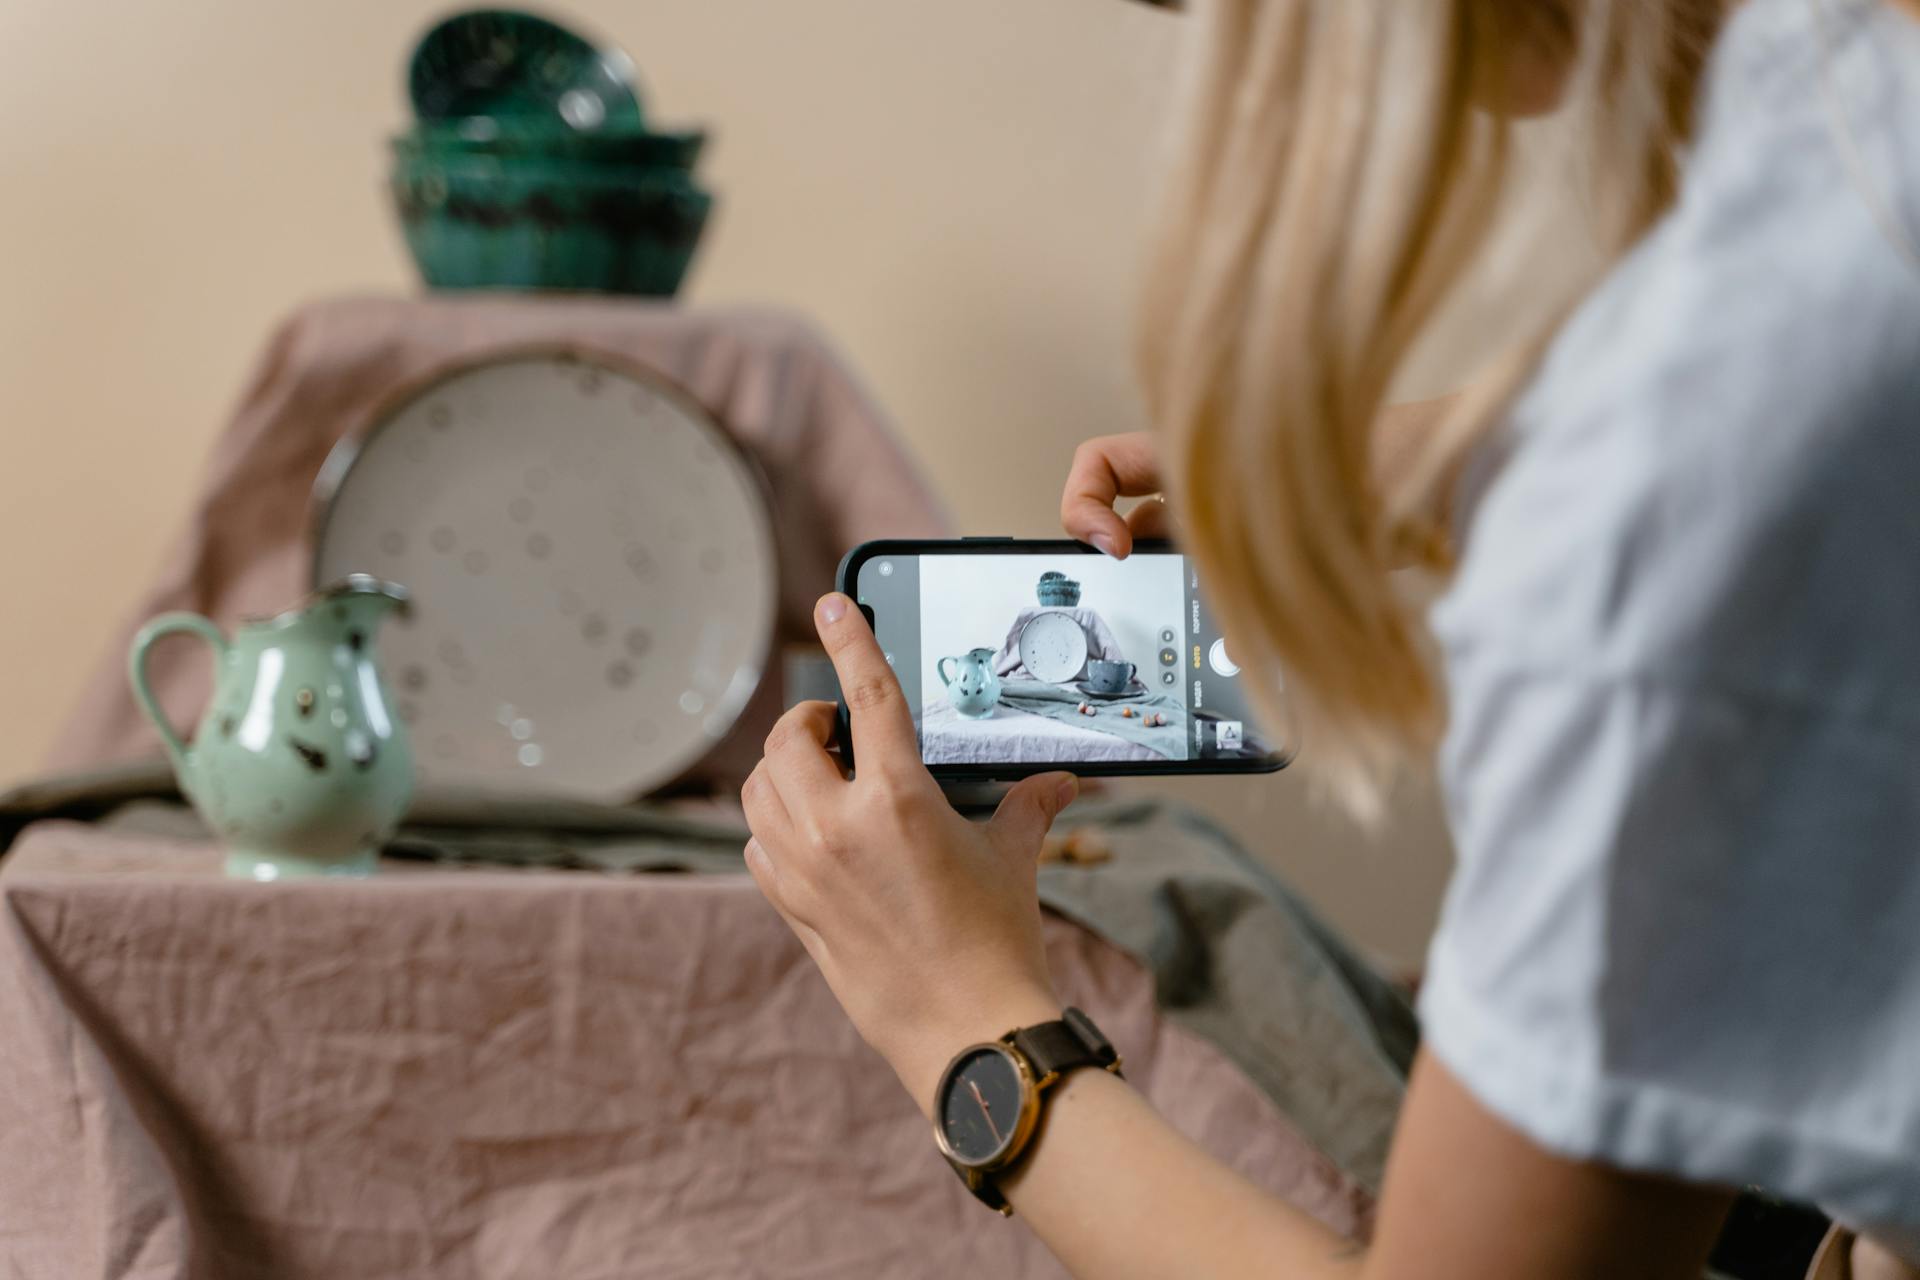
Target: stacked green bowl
(530, 165)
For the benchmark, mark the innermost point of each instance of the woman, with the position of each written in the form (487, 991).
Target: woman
(1673, 680)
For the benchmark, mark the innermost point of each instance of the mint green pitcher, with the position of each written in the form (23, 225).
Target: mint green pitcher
(972, 688)
(299, 765)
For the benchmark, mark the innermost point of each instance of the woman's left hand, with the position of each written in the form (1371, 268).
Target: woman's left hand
(926, 926)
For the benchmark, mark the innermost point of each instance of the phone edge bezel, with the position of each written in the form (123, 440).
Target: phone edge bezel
(847, 575)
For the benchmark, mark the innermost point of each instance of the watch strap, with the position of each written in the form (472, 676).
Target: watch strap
(1072, 1041)
(983, 1189)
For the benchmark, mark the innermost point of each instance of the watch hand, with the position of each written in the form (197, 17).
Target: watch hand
(985, 1110)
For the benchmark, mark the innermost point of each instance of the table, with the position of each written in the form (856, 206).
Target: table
(491, 1073)
(947, 737)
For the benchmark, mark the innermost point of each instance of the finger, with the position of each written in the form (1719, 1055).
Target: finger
(765, 875)
(1028, 810)
(779, 892)
(796, 752)
(883, 734)
(767, 816)
(1106, 468)
(1150, 520)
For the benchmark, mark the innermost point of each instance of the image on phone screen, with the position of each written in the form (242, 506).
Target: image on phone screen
(1063, 659)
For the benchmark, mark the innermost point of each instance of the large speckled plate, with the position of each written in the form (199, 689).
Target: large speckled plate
(1053, 647)
(592, 564)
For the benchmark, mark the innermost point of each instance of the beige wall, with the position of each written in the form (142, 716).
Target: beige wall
(954, 188)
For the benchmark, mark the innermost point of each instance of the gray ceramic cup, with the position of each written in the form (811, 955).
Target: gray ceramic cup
(1109, 677)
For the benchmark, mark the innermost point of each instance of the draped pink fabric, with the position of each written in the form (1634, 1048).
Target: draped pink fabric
(495, 1074)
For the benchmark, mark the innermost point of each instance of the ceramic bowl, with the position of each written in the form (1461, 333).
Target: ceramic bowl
(1058, 591)
(545, 149)
(501, 63)
(480, 224)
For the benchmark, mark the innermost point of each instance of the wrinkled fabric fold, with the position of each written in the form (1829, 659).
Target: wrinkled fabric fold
(485, 1072)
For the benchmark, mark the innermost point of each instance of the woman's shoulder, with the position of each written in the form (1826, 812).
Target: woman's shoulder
(1784, 284)
(1729, 424)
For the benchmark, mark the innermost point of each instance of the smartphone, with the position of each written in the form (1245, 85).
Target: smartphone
(1020, 657)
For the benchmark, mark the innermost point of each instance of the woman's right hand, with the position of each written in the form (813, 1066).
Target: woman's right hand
(1105, 469)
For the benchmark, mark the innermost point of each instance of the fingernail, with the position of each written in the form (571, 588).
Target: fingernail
(831, 608)
(1105, 542)
(1068, 790)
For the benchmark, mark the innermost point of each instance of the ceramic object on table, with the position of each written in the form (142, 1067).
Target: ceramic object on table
(608, 152)
(475, 223)
(1109, 677)
(300, 764)
(1053, 647)
(972, 686)
(1057, 590)
(502, 63)
(594, 565)
(1099, 695)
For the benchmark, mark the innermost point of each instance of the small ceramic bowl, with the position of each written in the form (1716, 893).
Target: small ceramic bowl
(502, 63)
(1059, 592)
(481, 224)
(550, 150)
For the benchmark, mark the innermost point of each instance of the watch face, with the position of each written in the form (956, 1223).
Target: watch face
(980, 1106)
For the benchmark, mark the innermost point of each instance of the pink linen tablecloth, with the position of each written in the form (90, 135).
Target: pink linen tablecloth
(837, 472)
(441, 1072)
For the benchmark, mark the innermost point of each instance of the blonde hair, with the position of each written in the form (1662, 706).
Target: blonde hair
(1337, 180)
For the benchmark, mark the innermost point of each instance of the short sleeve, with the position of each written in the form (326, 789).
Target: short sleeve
(1681, 937)
(1684, 930)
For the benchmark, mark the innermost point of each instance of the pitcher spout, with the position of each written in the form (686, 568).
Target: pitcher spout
(364, 588)
(367, 598)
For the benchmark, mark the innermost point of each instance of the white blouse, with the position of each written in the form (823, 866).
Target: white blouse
(1683, 652)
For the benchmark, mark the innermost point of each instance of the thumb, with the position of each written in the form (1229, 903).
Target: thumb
(1029, 808)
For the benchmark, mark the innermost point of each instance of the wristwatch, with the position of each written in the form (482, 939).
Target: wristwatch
(988, 1101)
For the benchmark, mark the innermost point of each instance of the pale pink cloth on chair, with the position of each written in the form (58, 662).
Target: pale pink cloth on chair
(836, 470)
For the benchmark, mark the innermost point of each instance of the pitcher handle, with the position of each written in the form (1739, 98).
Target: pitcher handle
(167, 624)
(941, 667)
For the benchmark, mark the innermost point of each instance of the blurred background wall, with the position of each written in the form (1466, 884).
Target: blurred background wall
(955, 189)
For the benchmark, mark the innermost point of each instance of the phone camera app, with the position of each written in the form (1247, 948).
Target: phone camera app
(1049, 659)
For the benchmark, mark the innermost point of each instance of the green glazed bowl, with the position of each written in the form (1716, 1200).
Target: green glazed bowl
(550, 146)
(493, 177)
(553, 176)
(502, 63)
(485, 226)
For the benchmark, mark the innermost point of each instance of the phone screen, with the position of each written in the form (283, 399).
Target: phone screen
(1045, 658)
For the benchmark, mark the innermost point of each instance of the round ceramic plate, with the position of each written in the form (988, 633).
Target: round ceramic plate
(592, 565)
(1053, 647)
